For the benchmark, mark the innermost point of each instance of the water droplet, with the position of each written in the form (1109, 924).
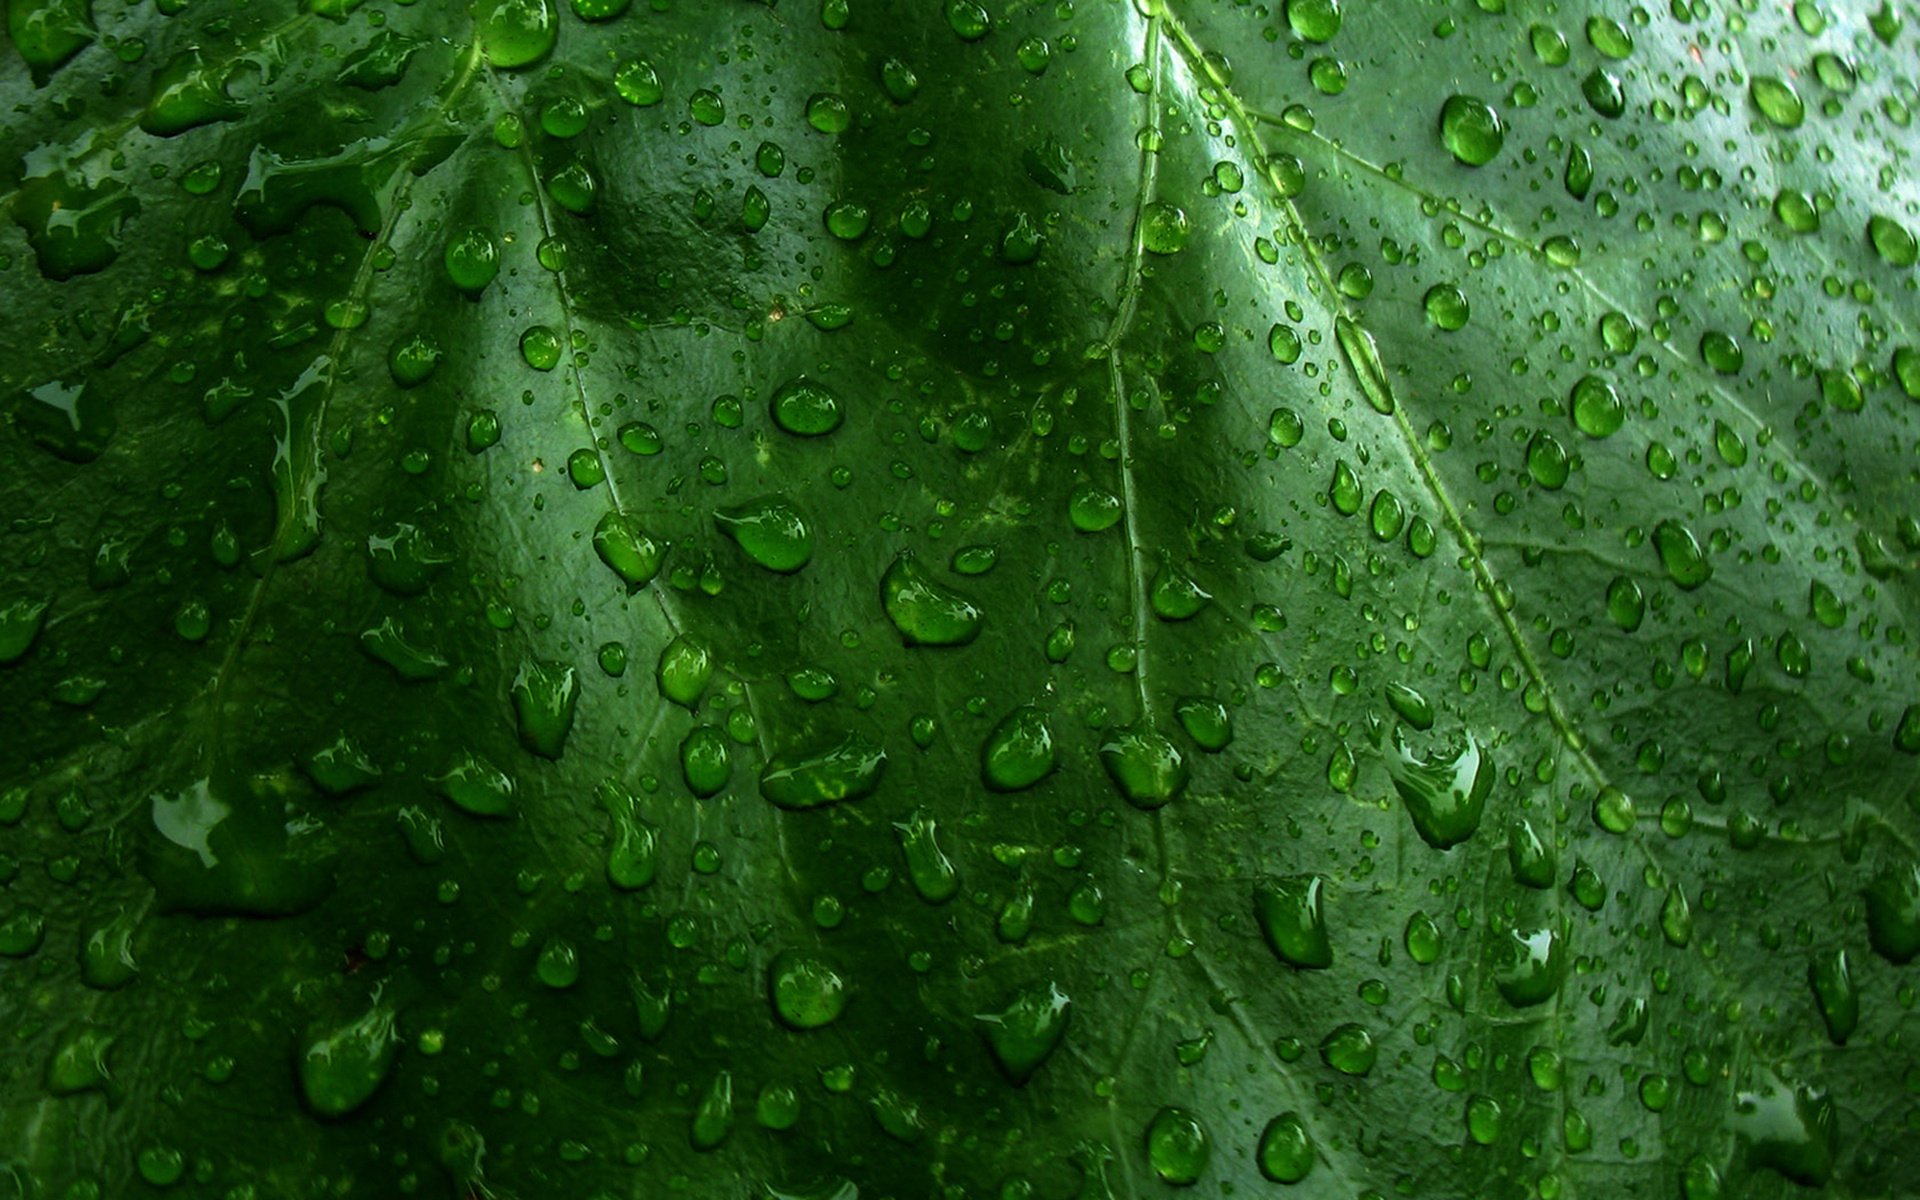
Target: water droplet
(1893, 912)
(1164, 228)
(540, 346)
(1173, 595)
(1206, 721)
(516, 33)
(706, 763)
(1093, 509)
(968, 19)
(1471, 131)
(1349, 1049)
(627, 549)
(1892, 241)
(20, 622)
(1446, 792)
(1314, 21)
(1529, 965)
(79, 1063)
(1626, 604)
(928, 867)
(805, 408)
(1597, 408)
(1680, 554)
(1023, 1034)
(1363, 358)
(807, 993)
(828, 112)
(848, 769)
(771, 532)
(1290, 917)
(925, 612)
(632, 852)
(342, 1066)
(1529, 857)
(713, 1118)
(476, 786)
(638, 83)
(1719, 351)
(1605, 93)
(1777, 101)
(1148, 769)
(544, 697)
(1019, 752)
(106, 952)
(1832, 982)
(1446, 307)
(1285, 1153)
(1789, 1130)
(1178, 1147)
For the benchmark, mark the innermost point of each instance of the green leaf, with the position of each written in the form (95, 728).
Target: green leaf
(608, 599)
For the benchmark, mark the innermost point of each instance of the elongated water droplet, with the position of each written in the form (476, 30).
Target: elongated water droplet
(632, 850)
(1291, 918)
(1686, 564)
(1832, 982)
(706, 762)
(544, 697)
(1363, 358)
(925, 612)
(848, 769)
(928, 866)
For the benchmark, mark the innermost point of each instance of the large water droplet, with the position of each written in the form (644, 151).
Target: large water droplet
(544, 697)
(1529, 965)
(1790, 1130)
(1291, 918)
(1285, 1153)
(771, 532)
(1471, 131)
(632, 851)
(1178, 1147)
(806, 991)
(516, 33)
(1148, 769)
(1027, 1030)
(925, 612)
(848, 769)
(1445, 792)
(343, 1065)
(806, 408)
(1893, 912)
(1019, 752)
